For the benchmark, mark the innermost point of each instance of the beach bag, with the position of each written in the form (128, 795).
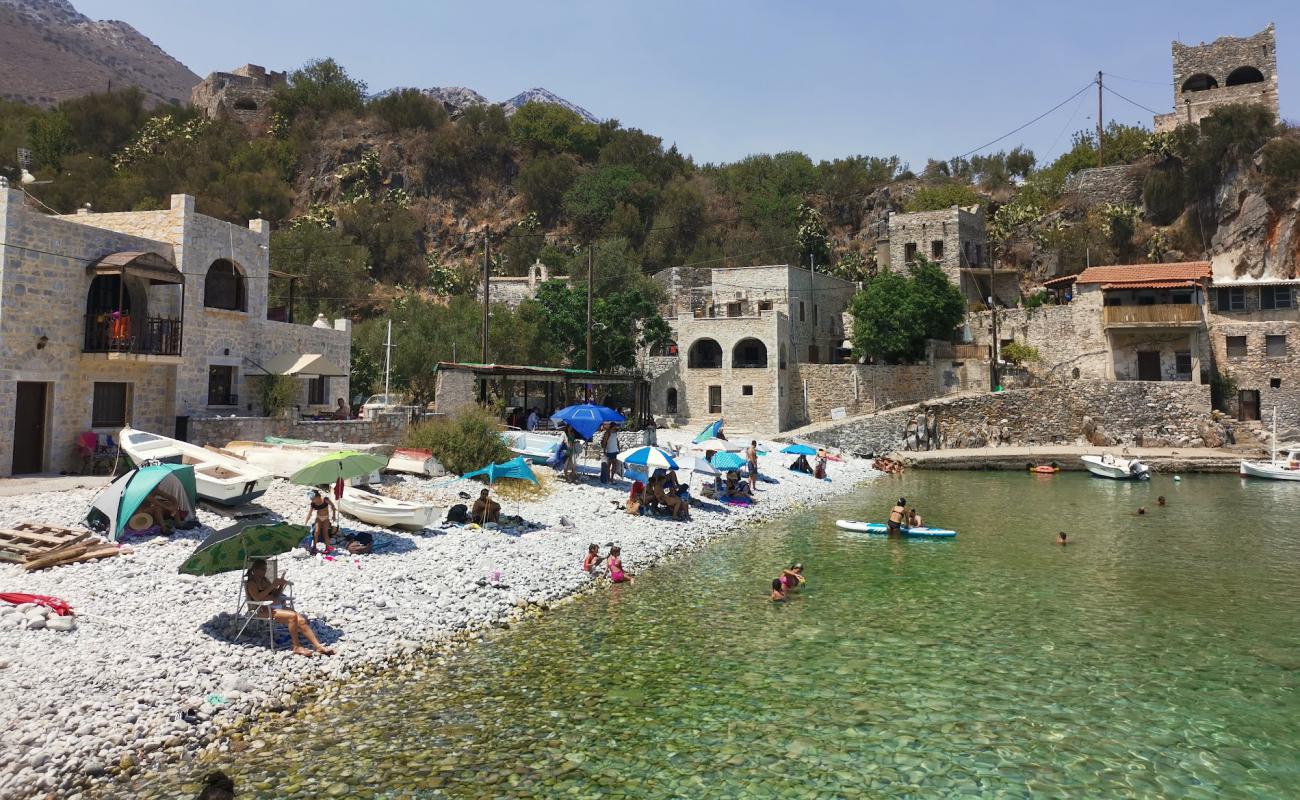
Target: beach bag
(556, 460)
(458, 513)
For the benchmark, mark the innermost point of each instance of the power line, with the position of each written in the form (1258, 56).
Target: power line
(1127, 100)
(1085, 88)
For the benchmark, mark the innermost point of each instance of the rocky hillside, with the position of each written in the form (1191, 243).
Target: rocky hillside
(51, 52)
(455, 99)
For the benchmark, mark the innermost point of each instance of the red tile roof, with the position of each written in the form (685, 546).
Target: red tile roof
(1136, 276)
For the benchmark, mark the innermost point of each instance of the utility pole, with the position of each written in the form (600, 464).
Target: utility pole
(388, 360)
(486, 272)
(993, 307)
(812, 263)
(1101, 152)
(591, 260)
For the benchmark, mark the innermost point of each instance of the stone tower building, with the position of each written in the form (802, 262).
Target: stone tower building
(242, 94)
(1228, 70)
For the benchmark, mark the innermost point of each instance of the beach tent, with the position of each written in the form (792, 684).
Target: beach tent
(514, 468)
(586, 418)
(113, 507)
(710, 431)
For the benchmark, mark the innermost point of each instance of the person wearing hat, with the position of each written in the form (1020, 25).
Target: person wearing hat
(896, 517)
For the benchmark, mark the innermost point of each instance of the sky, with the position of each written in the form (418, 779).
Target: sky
(723, 80)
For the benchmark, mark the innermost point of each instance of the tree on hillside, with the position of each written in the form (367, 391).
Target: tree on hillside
(945, 194)
(549, 128)
(543, 182)
(590, 202)
(331, 269)
(622, 322)
(321, 88)
(408, 109)
(895, 313)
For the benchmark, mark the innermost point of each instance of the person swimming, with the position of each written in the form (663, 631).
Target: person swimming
(896, 515)
(1062, 539)
(913, 518)
(778, 590)
(1160, 501)
(1140, 512)
(792, 578)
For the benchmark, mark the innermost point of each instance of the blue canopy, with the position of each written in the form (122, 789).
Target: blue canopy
(514, 468)
(799, 450)
(709, 432)
(727, 461)
(586, 418)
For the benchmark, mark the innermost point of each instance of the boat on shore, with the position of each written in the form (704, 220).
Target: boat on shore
(1107, 465)
(218, 477)
(533, 446)
(415, 462)
(283, 457)
(881, 529)
(1286, 468)
(387, 512)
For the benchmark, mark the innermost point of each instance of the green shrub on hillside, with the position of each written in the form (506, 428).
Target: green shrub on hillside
(1281, 170)
(465, 441)
(408, 109)
(1162, 193)
(943, 195)
(1019, 353)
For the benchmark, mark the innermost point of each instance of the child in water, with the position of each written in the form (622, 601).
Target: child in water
(792, 578)
(778, 590)
(615, 563)
(592, 560)
(1062, 539)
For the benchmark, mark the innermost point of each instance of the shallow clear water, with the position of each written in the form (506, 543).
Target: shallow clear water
(1154, 656)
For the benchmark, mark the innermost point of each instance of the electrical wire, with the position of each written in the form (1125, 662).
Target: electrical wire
(1030, 122)
(1127, 100)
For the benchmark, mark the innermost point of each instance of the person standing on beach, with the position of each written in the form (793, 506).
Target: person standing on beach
(751, 455)
(896, 515)
(532, 420)
(571, 454)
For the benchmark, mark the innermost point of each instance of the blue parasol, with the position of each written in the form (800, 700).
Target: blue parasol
(586, 418)
(727, 461)
(799, 450)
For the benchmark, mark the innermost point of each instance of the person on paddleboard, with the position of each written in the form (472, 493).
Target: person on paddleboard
(896, 517)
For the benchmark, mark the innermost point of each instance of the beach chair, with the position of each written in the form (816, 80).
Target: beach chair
(249, 610)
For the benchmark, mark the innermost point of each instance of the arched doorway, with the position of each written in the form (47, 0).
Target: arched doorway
(224, 287)
(670, 403)
(704, 354)
(1244, 75)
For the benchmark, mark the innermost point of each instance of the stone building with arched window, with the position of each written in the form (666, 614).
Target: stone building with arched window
(1228, 70)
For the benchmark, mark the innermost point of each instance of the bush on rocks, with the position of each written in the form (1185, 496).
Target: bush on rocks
(465, 441)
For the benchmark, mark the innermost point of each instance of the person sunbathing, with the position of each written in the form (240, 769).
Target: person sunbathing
(669, 499)
(485, 509)
(736, 487)
(261, 589)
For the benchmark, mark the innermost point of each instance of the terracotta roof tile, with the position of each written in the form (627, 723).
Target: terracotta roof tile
(1123, 276)
(1150, 285)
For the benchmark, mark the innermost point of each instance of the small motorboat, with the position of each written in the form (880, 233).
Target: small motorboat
(1286, 468)
(881, 529)
(415, 462)
(1107, 465)
(387, 512)
(219, 477)
(1044, 469)
(533, 446)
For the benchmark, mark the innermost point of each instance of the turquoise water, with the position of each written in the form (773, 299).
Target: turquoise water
(1154, 656)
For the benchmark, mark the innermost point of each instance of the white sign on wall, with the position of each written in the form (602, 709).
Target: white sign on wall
(839, 413)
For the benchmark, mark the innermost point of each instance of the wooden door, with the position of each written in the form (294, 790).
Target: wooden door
(29, 428)
(1148, 366)
(715, 399)
(1248, 404)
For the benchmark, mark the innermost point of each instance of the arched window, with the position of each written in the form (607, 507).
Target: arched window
(1242, 75)
(704, 354)
(1200, 82)
(224, 287)
(749, 354)
(671, 402)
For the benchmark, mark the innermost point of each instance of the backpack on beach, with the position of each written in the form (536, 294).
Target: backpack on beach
(458, 513)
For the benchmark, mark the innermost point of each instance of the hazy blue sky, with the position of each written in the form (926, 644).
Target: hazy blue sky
(723, 80)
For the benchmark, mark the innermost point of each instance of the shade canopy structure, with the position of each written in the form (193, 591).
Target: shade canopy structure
(151, 267)
(697, 464)
(717, 445)
(799, 450)
(514, 468)
(342, 465)
(312, 364)
(586, 418)
(648, 457)
(727, 462)
(710, 432)
(121, 499)
(228, 550)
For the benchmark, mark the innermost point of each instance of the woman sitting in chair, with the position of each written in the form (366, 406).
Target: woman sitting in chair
(261, 589)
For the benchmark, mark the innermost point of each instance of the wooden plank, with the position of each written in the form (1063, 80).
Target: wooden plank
(33, 536)
(42, 561)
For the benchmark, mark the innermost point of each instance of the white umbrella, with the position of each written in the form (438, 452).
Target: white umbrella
(718, 445)
(697, 464)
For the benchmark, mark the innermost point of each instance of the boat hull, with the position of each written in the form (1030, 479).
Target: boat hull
(1270, 471)
(385, 511)
(536, 448)
(1117, 470)
(218, 478)
(881, 529)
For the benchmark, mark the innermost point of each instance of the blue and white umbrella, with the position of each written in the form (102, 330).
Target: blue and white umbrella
(649, 457)
(727, 461)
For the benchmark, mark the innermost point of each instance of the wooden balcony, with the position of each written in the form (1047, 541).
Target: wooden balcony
(1170, 315)
(970, 352)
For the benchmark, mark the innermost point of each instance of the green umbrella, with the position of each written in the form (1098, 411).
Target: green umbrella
(230, 549)
(328, 469)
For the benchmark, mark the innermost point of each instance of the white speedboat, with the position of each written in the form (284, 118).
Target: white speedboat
(534, 446)
(387, 512)
(218, 477)
(283, 459)
(1107, 465)
(415, 462)
(1286, 468)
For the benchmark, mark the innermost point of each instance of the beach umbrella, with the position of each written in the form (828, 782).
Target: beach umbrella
(586, 418)
(228, 550)
(697, 464)
(338, 466)
(648, 457)
(718, 445)
(726, 462)
(710, 431)
(514, 468)
(799, 450)
(114, 506)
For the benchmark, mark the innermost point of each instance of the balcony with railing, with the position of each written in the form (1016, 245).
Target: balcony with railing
(1168, 315)
(130, 335)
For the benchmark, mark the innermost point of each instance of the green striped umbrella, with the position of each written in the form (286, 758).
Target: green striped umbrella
(229, 550)
(346, 464)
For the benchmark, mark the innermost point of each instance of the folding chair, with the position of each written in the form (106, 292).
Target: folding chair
(250, 610)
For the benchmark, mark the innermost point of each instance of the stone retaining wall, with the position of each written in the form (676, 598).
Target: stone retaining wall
(387, 429)
(864, 388)
(1082, 412)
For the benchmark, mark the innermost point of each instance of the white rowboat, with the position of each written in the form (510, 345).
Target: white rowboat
(1120, 469)
(534, 446)
(386, 511)
(415, 462)
(218, 477)
(1277, 469)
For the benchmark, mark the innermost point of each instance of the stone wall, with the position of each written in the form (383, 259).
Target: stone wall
(1277, 377)
(1067, 337)
(862, 388)
(1083, 412)
(1121, 185)
(243, 94)
(453, 390)
(962, 234)
(1218, 60)
(216, 431)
